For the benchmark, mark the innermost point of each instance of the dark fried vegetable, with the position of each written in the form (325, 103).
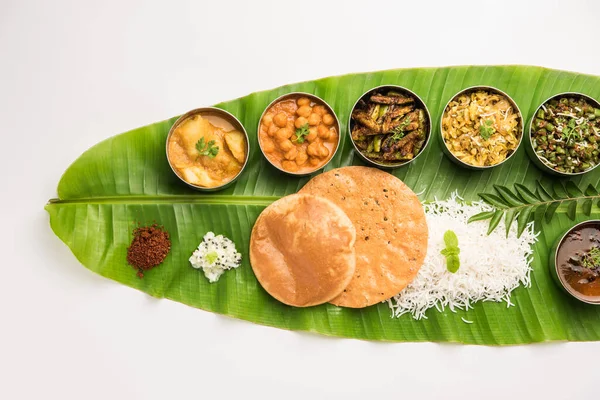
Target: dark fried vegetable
(393, 99)
(388, 127)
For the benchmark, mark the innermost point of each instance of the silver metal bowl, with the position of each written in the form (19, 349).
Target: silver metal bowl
(418, 101)
(491, 89)
(554, 264)
(529, 142)
(315, 99)
(208, 111)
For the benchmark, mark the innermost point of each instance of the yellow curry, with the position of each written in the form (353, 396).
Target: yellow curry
(207, 151)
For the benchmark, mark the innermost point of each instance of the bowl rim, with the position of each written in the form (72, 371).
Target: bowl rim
(568, 288)
(313, 97)
(225, 115)
(428, 133)
(547, 168)
(491, 89)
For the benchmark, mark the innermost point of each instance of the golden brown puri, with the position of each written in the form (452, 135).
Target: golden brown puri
(302, 250)
(391, 231)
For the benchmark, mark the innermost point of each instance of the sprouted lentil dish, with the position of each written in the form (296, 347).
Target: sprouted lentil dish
(481, 128)
(565, 134)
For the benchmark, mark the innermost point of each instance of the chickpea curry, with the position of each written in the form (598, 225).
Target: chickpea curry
(298, 134)
(207, 151)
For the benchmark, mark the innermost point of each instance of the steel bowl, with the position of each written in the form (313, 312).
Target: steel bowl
(529, 143)
(418, 101)
(554, 264)
(491, 89)
(210, 111)
(315, 99)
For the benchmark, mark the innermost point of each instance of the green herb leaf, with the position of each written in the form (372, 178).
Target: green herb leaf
(572, 210)
(527, 195)
(207, 149)
(543, 193)
(573, 190)
(450, 239)
(591, 259)
(509, 217)
(586, 207)
(523, 219)
(398, 132)
(493, 200)
(551, 210)
(559, 190)
(301, 133)
(591, 191)
(486, 129)
(451, 251)
(495, 221)
(508, 195)
(481, 216)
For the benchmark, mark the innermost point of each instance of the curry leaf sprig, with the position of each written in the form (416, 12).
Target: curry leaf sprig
(525, 205)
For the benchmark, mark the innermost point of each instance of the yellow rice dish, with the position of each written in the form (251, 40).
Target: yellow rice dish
(481, 128)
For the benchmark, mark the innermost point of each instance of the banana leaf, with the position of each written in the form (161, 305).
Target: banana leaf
(126, 179)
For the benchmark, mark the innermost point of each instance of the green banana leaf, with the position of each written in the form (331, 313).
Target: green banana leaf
(126, 179)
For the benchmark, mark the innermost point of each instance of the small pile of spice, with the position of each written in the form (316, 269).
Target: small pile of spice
(149, 247)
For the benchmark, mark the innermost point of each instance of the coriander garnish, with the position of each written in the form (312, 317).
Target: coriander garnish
(591, 259)
(207, 149)
(301, 133)
(451, 251)
(398, 132)
(486, 129)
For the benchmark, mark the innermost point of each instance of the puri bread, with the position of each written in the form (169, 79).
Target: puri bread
(391, 231)
(302, 250)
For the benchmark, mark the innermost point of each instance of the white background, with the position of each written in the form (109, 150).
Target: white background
(74, 73)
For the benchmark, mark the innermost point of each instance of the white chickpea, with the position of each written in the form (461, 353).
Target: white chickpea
(267, 145)
(323, 151)
(280, 119)
(303, 101)
(285, 145)
(272, 129)
(289, 166)
(283, 133)
(328, 119)
(267, 120)
(314, 119)
(323, 132)
(314, 161)
(301, 157)
(313, 149)
(319, 109)
(300, 122)
(304, 111)
(312, 134)
(291, 153)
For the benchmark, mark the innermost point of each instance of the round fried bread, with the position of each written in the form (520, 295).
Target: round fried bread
(391, 231)
(302, 250)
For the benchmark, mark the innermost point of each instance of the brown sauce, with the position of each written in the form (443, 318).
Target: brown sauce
(578, 261)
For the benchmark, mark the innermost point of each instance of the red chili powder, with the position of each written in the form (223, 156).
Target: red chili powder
(149, 247)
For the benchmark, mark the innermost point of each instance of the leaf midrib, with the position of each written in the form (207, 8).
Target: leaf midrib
(172, 199)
